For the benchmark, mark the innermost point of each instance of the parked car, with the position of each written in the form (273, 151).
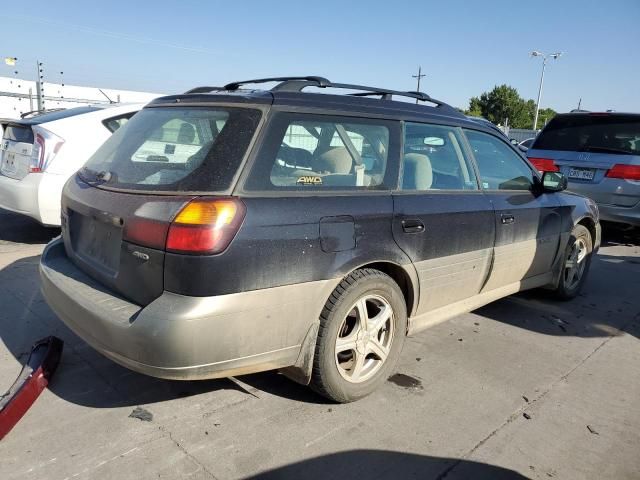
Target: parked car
(487, 123)
(599, 152)
(526, 144)
(236, 231)
(41, 151)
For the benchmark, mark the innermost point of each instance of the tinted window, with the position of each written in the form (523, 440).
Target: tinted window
(321, 152)
(175, 149)
(433, 159)
(606, 133)
(500, 167)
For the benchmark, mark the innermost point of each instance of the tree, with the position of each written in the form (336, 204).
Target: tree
(544, 115)
(504, 102)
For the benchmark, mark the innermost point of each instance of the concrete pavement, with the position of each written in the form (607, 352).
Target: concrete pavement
(523, 388)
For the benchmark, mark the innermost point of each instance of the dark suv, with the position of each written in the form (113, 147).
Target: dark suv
(226, 231)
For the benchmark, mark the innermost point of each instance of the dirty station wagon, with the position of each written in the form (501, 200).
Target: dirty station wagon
(308, 228)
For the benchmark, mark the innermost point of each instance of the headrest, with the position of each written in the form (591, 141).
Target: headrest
(334, 160)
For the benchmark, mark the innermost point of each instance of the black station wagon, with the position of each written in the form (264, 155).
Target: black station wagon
(226, 231)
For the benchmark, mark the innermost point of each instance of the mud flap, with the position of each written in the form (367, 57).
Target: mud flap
(33, 379)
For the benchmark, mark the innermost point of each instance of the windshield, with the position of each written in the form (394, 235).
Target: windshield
(175, 149)
(605, 133)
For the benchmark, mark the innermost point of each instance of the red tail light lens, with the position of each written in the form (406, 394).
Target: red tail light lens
(627, 172)
(205, 226)
(544, 164)
(45, 148)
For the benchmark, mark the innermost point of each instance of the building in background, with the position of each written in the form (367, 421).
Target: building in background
(18, 96)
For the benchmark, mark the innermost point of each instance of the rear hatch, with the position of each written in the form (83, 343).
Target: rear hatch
(120, 209)
(595, 151)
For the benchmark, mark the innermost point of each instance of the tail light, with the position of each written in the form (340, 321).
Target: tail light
(45, 147)
(205, 226)
(627, 172)
(544, 164)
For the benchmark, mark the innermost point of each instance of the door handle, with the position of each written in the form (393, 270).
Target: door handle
(507, 219)
(412, 226)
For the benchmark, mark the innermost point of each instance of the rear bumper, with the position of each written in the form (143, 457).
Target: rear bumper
(627, 215)
(180, 337)
(618, 200)
(21, 196)
(37, 195)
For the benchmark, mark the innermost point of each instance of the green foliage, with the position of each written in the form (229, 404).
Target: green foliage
(504, 102)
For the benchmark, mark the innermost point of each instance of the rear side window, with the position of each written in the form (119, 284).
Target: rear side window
(175, 149)
(434, 160)
(317, 152)
(599, 133)
(500, 167)
(115, 123)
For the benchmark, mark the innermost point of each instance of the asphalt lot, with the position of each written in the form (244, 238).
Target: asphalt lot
(523, 388)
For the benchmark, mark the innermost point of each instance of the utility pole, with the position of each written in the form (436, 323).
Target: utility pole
(39, 89)
(555, 56)
(419, 77)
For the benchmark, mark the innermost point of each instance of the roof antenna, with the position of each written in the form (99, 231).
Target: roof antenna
(107, 96)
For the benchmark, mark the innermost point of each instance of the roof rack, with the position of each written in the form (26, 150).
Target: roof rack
(297, 84)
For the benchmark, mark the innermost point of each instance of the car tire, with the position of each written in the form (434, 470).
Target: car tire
(576, 262)
(362, 330)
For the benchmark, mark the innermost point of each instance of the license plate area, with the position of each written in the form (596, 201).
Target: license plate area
(582, 173)
(95, 241)
(9, 162)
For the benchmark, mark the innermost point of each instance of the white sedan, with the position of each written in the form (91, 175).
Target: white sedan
(40, 153)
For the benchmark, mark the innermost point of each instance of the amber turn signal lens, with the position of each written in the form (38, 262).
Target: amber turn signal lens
(205, 226)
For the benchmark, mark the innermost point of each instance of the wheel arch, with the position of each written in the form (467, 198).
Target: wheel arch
(403, 277)
(590, 225)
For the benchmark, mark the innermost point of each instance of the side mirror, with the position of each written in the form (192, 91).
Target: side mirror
(554, 182)
(513, 141)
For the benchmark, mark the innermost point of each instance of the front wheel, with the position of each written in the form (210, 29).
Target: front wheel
(577, 259)
(362, 330)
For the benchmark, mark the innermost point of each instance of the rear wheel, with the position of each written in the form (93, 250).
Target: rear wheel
(577, 259)
(362, 330)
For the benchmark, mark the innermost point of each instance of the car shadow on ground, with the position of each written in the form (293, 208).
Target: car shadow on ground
(20, 229)
(384, 464)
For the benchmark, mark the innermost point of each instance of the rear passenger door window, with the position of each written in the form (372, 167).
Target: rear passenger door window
(499, 166)
(317, 152)
(433, 159)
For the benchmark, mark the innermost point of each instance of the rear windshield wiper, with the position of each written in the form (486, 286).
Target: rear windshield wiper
(92, 176)
(606, 150)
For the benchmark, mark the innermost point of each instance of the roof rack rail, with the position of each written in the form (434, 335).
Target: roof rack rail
(316, 81)
(204, 89)
(298, 83)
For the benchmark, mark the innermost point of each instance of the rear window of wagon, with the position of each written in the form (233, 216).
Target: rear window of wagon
(175, 149)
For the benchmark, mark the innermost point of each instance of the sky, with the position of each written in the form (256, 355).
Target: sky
(464, 47)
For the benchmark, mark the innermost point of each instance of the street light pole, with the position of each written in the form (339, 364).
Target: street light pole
(555, 56)
(535, 118)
